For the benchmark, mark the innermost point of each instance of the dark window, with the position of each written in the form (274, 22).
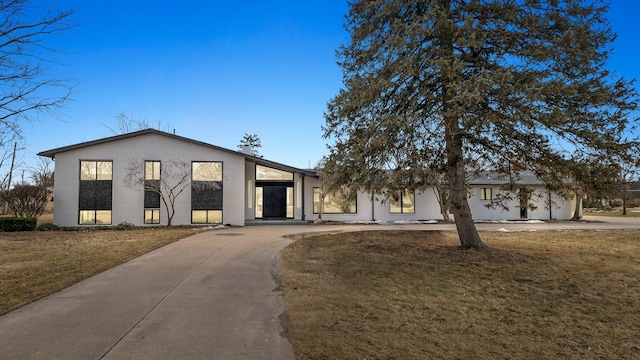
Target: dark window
(151, 197)
(152, 192)
(206, 192)
(95, 192)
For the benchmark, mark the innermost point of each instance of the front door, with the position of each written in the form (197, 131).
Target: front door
(524, 196)
(274, 202)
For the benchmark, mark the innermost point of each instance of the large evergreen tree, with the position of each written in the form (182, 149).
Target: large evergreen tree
(506, 85)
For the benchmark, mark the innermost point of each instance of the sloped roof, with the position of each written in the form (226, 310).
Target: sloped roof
(491, 178)
(260, 161)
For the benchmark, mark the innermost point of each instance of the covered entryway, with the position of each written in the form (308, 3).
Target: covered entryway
(274, 194)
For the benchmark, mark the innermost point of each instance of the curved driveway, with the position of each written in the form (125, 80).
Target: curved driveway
(214, 295)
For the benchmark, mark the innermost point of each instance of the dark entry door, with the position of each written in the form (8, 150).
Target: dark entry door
(524, 204)
(274, 202)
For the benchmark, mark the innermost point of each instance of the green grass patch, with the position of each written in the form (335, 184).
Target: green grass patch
(614, 214)
(38, 263)
(415, 295)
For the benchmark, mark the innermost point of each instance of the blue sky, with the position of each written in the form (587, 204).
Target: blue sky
(215, 70)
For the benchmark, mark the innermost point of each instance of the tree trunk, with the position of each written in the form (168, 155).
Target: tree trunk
(445, 214)
(467, 232)
(577, 213)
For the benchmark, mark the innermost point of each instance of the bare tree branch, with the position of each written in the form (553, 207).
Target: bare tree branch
(27, 87)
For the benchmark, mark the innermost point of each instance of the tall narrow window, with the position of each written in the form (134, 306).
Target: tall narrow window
(96, 189)
(206, 192)
(152, 192)
(250, 194)
(259, 199)
(290, 202)
(402, 202)
(299, 194)
(485, 194)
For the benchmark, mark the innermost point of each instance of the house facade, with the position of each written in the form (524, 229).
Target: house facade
(530, 201)
(103, 182)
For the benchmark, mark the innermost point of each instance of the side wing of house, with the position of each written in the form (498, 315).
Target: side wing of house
(416, 206)
(546, 205)
(90, 183)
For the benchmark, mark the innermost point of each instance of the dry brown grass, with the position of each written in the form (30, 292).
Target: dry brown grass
(415, 295)
(46, 218)
(35, 264)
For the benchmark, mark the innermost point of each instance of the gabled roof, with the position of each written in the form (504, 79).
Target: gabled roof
(260, 161)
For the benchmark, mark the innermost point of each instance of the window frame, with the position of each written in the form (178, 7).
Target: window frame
(486, 191)
(95, 176)
(401, 197)
(214, 201)
(154, 220)
(316, 190)
(95, 217)
(194, 171)
(289, 175)
(153, 176)
(98, 180)
(152, 199)
(207, 212)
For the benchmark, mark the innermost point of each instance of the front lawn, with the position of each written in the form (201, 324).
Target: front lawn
(38, 263)
(617, 213)
(415, 295)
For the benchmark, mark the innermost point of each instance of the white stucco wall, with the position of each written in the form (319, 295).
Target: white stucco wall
(560, 208)
(426, 207)
(128, 205)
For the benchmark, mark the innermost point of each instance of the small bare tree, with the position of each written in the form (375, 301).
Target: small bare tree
(126, 124)
(26, 200)
(41, 173)
(175, 178)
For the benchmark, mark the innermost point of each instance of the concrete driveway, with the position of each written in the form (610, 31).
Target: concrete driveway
(214, 295)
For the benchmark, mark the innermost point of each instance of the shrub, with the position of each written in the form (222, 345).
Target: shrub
(124, 226)
(47, 227)
(26, 200)
(8, 224)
